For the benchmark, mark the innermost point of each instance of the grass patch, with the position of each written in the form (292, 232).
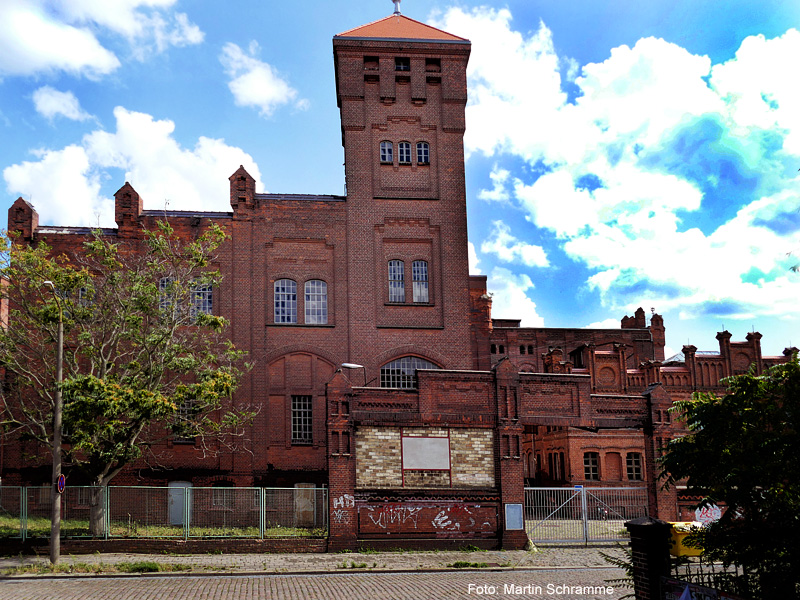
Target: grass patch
(465, 564)
(354, 565)
(40, 527)
(472, 548)
(79, 567)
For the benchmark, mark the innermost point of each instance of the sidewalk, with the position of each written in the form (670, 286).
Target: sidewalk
(541, 558)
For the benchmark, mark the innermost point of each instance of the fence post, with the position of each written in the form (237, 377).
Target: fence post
(650, 553)
(262, 512)
(23, 512)
(585, 511)
(107, 510)
(187, 503)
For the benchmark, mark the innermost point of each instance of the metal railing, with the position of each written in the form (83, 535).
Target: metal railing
(181, 512)
(581, 515)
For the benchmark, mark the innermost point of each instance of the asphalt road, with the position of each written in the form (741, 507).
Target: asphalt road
(545, 584)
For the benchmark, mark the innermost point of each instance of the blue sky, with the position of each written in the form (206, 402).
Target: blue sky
(619, 154)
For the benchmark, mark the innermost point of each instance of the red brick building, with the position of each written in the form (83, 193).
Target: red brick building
(453, 412)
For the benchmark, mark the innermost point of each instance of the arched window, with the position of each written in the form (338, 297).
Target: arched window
(494, 349)
(502, 349)
(202, 299)
(386, 152)
(522, 349)
(404, 153)
(419, 274)
(397, 286)
(401, 373)
(285, 301)
(316, 302)
(423, 153)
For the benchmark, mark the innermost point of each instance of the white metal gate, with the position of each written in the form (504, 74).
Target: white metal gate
(580, 514)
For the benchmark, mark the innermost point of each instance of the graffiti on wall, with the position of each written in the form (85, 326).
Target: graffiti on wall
(441, 518)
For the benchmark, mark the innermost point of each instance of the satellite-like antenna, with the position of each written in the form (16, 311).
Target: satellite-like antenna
(397, 6)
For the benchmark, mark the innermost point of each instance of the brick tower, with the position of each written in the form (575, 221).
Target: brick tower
(401, 87)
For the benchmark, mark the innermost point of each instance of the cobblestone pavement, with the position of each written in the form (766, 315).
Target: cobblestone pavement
(389, 575)
(544, 584)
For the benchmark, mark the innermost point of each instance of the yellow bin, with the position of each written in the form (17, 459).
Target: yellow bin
(680, 530)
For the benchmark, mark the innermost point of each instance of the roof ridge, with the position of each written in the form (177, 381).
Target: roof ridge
(399, 18)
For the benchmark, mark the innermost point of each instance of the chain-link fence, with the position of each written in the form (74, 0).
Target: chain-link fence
(176, 511)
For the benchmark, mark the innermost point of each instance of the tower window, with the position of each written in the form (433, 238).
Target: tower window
(419, 271)
(397, 287)
(285, 301)
(433, 65)
(402, 64)
(316, 302)
(423, 153)
(386, 152)
(404, 153)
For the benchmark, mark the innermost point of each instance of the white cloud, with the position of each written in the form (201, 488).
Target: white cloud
(31, 42)
(498, 193)
(604, 324)
(510, 299)
(509, 249)
(51, 103)
(41, 36)
(637, 175)
(474, 269)
(256, 83)
(64, 185)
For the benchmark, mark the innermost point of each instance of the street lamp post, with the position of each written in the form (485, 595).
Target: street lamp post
(355, 366)
(55, 493)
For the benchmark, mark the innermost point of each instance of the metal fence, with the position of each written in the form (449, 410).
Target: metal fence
(579, 514)
(717, 577)
(177, 511)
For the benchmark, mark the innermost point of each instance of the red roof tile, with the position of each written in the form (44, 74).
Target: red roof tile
(400, 27)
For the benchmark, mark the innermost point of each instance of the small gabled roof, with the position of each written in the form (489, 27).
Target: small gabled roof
(400, 27)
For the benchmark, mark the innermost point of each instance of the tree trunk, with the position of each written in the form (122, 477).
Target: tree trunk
(97, 511)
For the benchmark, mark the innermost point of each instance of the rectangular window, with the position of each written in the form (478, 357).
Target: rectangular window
(301, 420)
(634, 466)
(591, 466)
(419, 272)
(222, 496)
(397, 288)
(402, 64)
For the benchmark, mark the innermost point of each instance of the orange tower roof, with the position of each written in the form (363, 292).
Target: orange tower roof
(400, 27)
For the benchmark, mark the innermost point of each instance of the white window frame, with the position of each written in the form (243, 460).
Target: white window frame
(423, 153)
(397, 281)
(285, 301)
(316, 302)
(404, 153)
(419, 277)
(387, 153)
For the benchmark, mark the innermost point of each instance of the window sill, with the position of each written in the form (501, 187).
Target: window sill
(328, 325)
(307, 444)
(409, 304)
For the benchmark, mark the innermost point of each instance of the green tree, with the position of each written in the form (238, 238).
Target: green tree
(142, 360)
(743, 451)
